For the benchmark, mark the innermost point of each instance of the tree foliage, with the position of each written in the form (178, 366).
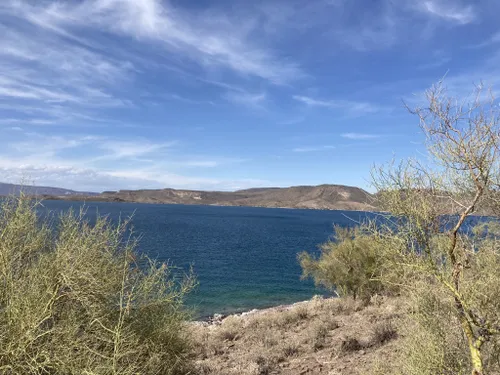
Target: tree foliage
(448, 269)
(351, 264)
(460, 178)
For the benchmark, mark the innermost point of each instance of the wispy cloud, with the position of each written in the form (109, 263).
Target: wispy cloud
(68, 61)
(436, 60)
(255, 101)
(207, 39)
(360, 136)
(386, 24)
(493, 39)
(186, 100)
(350, 107)
(137, 163)
(375, 33)
(449, 10)
(90, 179)
(58, 80)
(313, 148)
(292, 120)
(116, 150)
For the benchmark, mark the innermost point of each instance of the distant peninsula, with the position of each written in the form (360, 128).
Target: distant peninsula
(326, 197)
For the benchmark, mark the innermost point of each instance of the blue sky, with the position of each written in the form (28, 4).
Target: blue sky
(125, 94)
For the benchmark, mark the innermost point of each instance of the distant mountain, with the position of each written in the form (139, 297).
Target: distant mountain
(337, 197)
(7, 189)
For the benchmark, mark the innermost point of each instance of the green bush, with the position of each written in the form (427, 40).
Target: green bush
(352, 264)
(73, 299)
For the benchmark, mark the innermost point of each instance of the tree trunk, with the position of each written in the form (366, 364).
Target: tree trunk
(474, 349)
(477, 360)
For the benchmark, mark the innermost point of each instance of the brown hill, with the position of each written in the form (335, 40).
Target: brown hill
(337, 197)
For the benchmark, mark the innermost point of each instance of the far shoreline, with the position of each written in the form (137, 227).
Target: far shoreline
(89, 199)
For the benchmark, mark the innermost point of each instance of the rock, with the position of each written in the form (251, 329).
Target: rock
(251, 312)
(217, 319)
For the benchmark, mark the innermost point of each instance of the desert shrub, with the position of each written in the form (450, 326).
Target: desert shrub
(435, 327)
(265, 365)
(383, 333)
(302, 313)
(319, 333)
(290, 349)
(431, 341)
(230, 334)
(453, 283)
(351, 344)
(73, 299)
(352, 264)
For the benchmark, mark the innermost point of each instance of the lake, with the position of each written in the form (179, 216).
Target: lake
(243, 257)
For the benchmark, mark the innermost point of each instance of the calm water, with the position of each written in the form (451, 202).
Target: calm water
(243, 257)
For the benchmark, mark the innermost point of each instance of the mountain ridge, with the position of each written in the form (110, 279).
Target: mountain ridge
(8, 189)
(326, 196)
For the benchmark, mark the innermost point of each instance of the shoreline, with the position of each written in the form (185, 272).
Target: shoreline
(218, 318)
(369, 209)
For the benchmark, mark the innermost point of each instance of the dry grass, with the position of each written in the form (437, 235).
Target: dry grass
(321, 336)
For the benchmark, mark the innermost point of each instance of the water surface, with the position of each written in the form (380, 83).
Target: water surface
(243, 257)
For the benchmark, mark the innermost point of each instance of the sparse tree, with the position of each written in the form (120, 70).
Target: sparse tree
(430, 205)
(350, 264)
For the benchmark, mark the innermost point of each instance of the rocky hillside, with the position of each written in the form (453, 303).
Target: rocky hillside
(321, 336)
(7, 189)
(315, 197)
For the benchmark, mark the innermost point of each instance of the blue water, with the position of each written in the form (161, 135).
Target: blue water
(243, 257)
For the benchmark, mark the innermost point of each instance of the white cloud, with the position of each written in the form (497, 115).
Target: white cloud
(45, 80)
(201, 163)
(435, 60)
(493, 39)
(359, 136)
(115, 150)
(350, 107)
(384, 24)
(90, 179)
(449, 10)
(210, 39)
(101, 163)
(313, 148)
(251, 100)
(32, 121)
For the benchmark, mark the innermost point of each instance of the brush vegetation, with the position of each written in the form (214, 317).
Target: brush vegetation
(445, 268)
(350, 264)
(75, 299)
(321, 336)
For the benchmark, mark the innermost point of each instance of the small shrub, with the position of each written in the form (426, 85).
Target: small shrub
(204, 369)
(346, 305)
(350, 344)
(383, 333)
(270, 341)
(351, 265)
(265, 365)
(290, 350)
(230, 336)
(319, 335)
(301, 312)
(291, 317)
